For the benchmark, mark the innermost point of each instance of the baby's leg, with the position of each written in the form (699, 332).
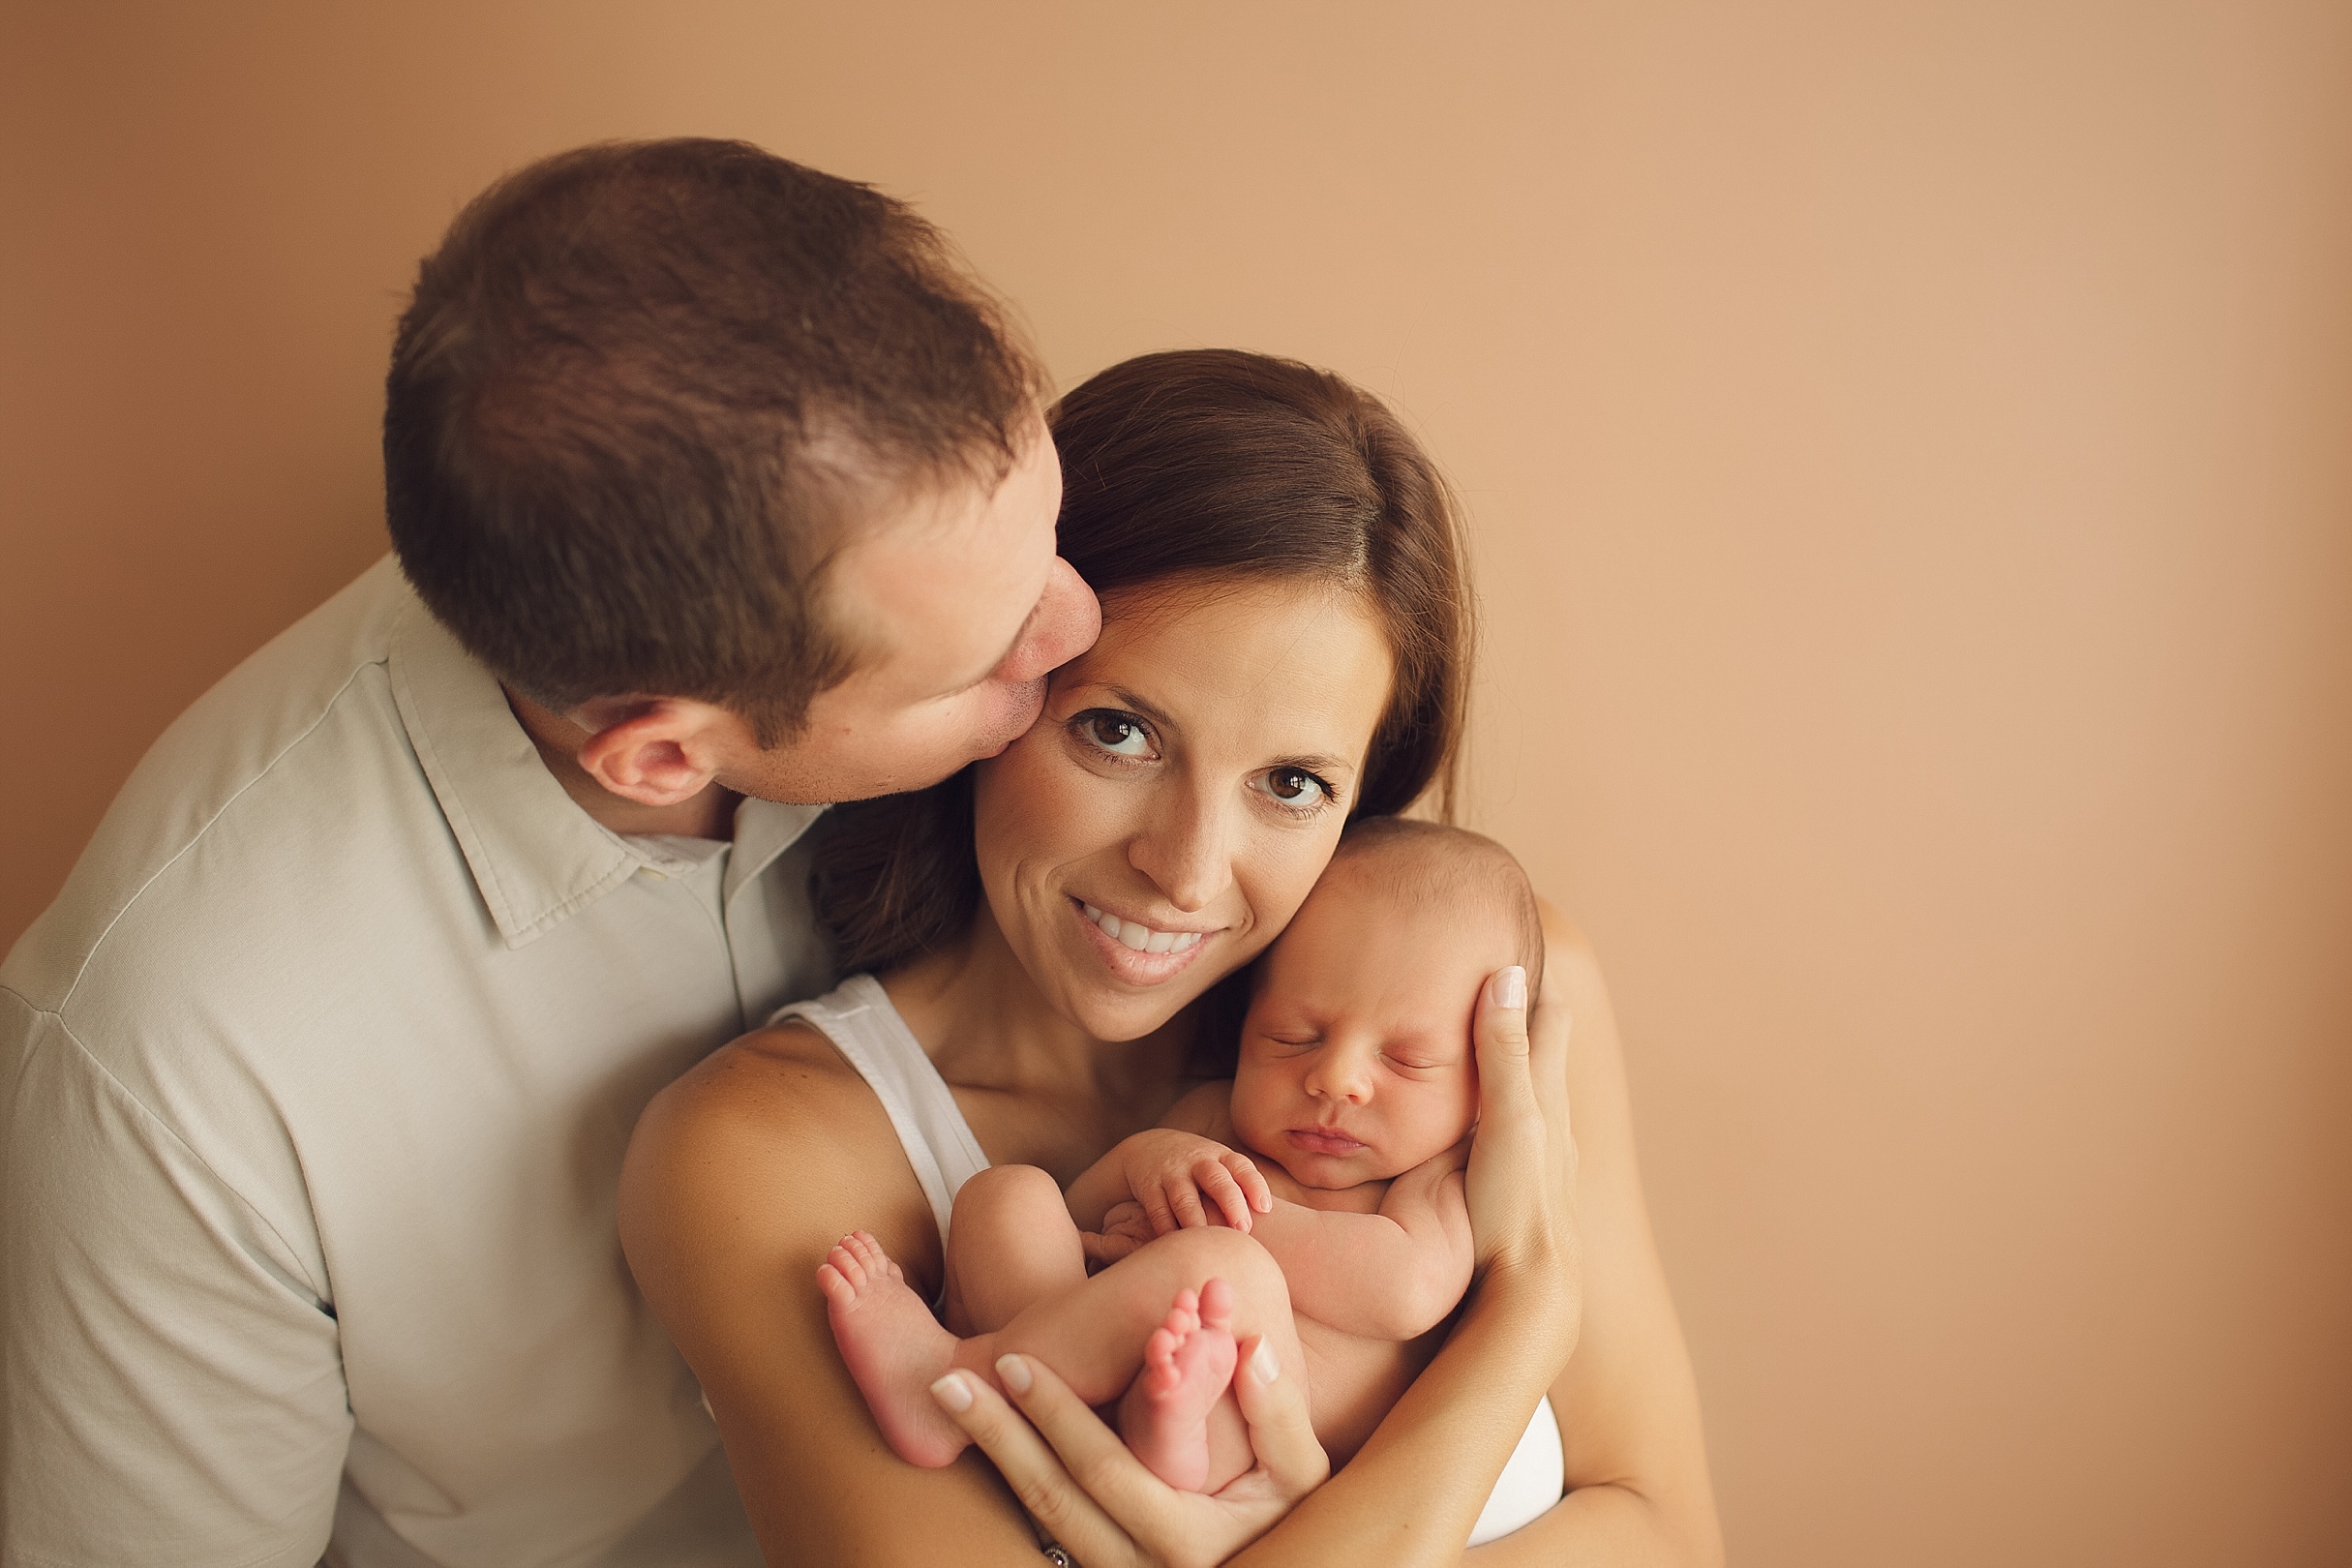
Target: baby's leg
(894, 1347)
(1095, 1334)
(1179, 1415)
(1010, 1241)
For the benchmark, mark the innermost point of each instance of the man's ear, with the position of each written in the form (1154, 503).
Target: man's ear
(656, 751)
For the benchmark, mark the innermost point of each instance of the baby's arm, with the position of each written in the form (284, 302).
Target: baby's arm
(1171, 1169)
(1393, 1275)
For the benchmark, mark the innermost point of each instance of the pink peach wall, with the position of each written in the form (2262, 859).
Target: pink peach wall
(1910, 450)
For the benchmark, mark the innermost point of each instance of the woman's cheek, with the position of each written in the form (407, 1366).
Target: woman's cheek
(1034, 803)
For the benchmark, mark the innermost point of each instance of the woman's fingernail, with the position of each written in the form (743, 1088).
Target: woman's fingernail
(1014, 1371)
(1511, 987)
(1263, 1363)
(952, 1391)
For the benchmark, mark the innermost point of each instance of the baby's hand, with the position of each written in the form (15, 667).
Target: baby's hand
(1170, 1173)
(1124, 1229)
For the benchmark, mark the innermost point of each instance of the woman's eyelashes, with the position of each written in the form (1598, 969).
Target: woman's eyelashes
(1297, 790)
(1114, 732)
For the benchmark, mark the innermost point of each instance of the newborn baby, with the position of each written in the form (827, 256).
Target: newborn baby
(1338, 1145)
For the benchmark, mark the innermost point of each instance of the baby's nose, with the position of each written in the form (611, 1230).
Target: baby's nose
(1340, 1080)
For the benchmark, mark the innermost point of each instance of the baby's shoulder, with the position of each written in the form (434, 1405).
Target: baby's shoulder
(1207, 1109)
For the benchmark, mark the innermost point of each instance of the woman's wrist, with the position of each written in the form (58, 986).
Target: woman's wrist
(1529, 1301)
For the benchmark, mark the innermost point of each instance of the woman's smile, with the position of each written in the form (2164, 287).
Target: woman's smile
(1135, 952)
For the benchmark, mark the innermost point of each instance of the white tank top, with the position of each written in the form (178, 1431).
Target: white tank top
(858, 1018)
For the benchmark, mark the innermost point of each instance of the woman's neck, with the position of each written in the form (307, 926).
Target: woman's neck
(1046, 1082)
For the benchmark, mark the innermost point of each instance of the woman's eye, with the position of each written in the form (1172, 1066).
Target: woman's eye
(1122, 734)
(1294, 785)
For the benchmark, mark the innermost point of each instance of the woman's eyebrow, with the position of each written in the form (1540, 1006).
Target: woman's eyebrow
(1151, 711)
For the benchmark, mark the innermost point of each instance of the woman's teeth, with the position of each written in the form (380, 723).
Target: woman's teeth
(1141, 938)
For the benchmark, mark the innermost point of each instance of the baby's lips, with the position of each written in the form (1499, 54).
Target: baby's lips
(1326, 1140)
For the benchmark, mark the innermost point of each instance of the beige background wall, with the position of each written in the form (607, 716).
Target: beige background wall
(1910, 452)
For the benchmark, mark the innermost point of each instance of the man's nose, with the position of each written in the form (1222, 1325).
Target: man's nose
(1064, 624)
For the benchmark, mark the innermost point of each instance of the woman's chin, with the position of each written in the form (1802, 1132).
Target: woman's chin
(1115, 993)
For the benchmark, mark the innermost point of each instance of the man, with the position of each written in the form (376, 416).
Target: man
(717, 490)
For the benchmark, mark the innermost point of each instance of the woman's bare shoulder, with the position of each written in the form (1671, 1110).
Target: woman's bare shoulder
(1572, 978)
(765, 1088)
(768, 1145)
(741, 1176)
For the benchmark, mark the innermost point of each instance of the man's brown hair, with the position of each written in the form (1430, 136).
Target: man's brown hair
(635, 396)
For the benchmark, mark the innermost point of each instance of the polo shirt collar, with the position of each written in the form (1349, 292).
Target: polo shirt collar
(535, 856)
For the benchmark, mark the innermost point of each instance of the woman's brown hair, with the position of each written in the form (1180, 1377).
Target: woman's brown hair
(1205, 465)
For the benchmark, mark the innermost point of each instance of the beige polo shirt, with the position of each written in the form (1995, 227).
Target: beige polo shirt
(316, 1082)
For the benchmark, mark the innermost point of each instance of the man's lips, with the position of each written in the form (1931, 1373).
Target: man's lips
(1323, 1141)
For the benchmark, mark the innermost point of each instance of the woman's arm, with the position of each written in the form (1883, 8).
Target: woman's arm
(1627, 1404)
(740, 1177)
(1629, 1415)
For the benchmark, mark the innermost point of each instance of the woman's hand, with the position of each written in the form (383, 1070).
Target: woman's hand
(1093, 1496)
(1522, 1156)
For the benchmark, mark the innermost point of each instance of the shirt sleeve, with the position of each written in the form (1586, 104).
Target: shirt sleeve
(170, 1385)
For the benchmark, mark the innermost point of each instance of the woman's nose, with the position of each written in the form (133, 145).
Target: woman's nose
(1187, 852)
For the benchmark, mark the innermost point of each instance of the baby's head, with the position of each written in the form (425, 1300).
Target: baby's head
(1356, 1062)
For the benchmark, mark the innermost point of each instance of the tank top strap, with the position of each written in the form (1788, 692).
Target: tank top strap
(858, 1018)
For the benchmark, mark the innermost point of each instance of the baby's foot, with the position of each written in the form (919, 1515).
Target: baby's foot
(894, 1346)
(1187, 1363)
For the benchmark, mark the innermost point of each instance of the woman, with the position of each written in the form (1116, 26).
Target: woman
(1284, 646)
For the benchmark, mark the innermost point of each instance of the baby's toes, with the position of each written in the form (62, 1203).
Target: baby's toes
(846, 1263)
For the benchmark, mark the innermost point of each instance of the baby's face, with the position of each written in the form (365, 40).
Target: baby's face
(1355, 1059)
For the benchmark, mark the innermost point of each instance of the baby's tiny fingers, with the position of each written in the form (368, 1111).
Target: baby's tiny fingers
(1218, 1183)
(1155, 1206)
(1185, 1198)
(1253, 1182)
